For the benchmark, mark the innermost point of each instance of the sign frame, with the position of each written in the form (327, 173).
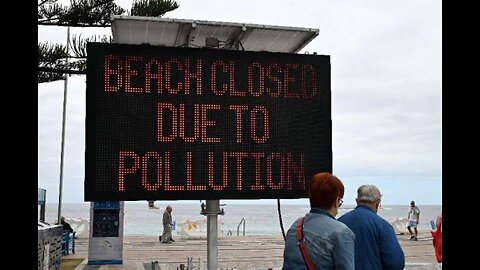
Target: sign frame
(316, 131)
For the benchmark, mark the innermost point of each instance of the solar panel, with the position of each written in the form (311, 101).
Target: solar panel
(193, 33)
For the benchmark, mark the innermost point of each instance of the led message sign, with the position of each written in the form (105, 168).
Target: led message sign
(170, 123)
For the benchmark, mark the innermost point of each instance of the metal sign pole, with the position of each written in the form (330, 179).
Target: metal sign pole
(213, 208)
(62, 150)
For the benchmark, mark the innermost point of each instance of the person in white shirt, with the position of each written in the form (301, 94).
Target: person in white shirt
(413, 217)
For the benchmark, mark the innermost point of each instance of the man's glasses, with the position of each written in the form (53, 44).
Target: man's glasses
(340, 202)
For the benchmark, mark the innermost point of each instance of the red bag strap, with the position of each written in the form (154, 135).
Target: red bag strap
(301, 245)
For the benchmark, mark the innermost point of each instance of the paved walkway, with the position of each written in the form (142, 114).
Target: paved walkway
(234, 252)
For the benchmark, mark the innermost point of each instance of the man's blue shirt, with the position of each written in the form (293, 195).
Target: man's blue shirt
(376, 245)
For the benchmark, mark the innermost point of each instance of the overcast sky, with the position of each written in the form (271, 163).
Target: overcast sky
(386, 64)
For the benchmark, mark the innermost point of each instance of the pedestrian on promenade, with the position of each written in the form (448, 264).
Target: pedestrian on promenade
(167, 226)
(317, 240)
(413, 218)
(376, 245)
(437, 238)
(66, 226)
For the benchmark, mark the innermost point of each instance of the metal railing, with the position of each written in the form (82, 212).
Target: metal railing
(238, 227)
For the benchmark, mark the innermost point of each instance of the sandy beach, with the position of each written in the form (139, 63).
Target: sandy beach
(234, 252)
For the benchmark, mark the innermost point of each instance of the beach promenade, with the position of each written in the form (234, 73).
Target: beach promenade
(234, 252)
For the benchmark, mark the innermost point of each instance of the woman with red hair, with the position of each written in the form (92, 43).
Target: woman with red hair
(318, 240)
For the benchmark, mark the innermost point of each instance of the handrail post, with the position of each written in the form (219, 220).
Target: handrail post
(238, 227)
(244, 221)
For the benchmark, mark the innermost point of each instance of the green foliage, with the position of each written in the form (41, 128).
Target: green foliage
(79, 44)
(51, 53)
(53, 60)
(152, 8)
(79, 13)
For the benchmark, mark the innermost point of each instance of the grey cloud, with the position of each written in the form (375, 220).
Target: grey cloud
(386, 91)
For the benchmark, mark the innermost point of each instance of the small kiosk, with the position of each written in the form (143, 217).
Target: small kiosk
(106, 232)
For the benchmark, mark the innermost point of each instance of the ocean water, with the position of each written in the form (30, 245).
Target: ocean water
(260, 219)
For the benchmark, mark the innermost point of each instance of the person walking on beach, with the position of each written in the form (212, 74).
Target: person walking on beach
(318, 240)
(167, 226)
(376, 245)
(413, 217)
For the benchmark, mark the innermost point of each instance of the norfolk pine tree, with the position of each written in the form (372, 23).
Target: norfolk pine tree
(53, 61)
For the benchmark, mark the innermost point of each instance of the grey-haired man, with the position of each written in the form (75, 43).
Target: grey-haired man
(376, 245)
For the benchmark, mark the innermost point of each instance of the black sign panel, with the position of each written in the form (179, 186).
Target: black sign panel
(167, 123)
